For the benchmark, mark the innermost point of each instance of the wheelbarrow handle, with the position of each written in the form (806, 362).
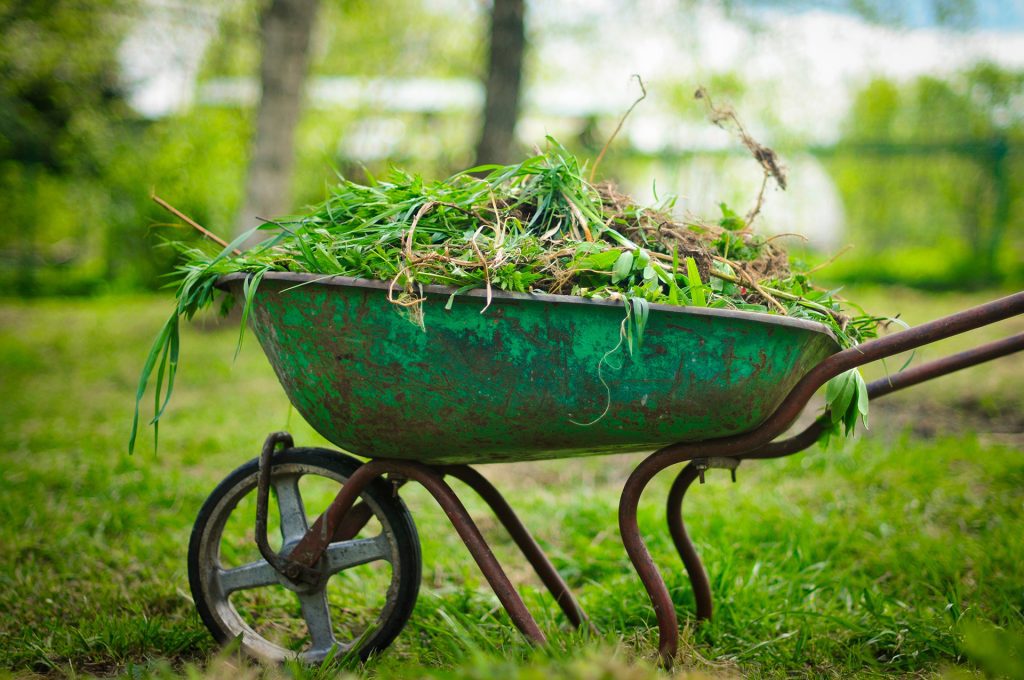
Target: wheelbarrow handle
(874, 350)
(925, 334)
(946, 365)
(892, 383)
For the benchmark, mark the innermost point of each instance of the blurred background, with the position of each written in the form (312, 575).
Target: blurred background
(901, 123)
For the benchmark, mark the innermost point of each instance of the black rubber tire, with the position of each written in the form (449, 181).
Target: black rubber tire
(388, 509)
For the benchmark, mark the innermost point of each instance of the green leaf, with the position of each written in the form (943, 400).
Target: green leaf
(588, 248)
(158, 350)
(249, 286)
(839, 393)
(601, 262)
(846, 398)
(460, 291)
(623, 266)
(862, 397)
(638, 309)
(643, 258)
(696, 285)
(721, 286)
(730, 220)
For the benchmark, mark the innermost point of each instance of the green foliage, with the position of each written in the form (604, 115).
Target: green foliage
(996, 651)
(936, 164)
(623, 265)
(380, 38)
(730, 220)
(846, 398)
(58, 109)
(77, 165)
(695, 286)
(55, 101)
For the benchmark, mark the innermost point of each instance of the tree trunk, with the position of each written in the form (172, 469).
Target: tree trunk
(286, 26)
(504, 75)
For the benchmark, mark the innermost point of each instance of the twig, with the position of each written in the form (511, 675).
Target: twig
(578, 215)
(618, 127)
(761, 291)
(830, 260)
(455, 206)
(499, 228)
(412, 302)
(749, 280)
(759, 203)
(192, 223)
(783, 235)
(766, 157)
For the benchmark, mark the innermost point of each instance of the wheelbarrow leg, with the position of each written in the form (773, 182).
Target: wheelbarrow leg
(691, 560)
(640, 556)
(527, 545)
(311, 547)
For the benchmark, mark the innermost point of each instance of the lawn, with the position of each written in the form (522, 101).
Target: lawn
(897, 554)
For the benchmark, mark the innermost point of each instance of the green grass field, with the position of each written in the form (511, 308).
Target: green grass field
(898, 554)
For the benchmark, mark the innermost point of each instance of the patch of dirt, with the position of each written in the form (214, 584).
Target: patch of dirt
(998, 422)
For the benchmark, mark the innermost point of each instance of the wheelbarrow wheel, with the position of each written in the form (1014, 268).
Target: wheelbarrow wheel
(369, 583)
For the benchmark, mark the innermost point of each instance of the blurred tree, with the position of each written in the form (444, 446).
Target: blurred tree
(286, 26)
(504, 79)
(365, 44)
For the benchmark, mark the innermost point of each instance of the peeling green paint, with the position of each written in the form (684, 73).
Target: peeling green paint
(507, 384)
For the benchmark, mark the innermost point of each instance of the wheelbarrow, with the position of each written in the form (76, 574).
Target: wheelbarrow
(529, 379)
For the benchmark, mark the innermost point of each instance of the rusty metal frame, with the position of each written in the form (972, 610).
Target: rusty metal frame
(344, 518)
(341, 520)
(694, 470)
(310, 548)
(758, 443)
(534, 554)
(283, 565)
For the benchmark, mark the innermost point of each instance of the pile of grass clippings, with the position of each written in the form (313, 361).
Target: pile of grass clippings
(536, 226)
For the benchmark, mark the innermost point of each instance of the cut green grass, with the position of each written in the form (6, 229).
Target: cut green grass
(893, 555)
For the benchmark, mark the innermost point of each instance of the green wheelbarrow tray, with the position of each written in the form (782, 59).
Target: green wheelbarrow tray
(530, 377)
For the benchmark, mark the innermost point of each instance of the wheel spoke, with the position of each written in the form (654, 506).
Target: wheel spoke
(289, 501)
(349, 554)
(318, 621)
(253, 575)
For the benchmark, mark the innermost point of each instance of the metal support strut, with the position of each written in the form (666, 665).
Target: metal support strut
(527, 545)
(684, 546)
(296, 572)
(311, 547)
(337, 519)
